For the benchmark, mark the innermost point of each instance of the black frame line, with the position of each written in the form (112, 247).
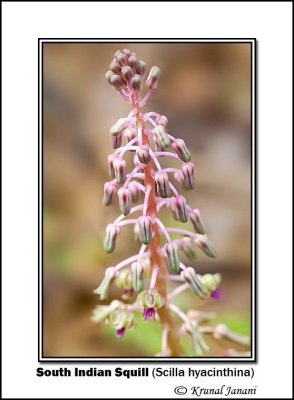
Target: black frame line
(253, 184)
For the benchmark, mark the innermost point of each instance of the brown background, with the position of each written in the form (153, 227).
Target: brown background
(205, 93)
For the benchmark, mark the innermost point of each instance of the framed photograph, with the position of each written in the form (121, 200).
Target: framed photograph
(147, 200)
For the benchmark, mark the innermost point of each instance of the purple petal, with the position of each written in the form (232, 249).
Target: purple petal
(149, 312)
(120, 332)
(216, 294)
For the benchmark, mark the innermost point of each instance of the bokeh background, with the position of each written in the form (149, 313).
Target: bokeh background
(204, 91)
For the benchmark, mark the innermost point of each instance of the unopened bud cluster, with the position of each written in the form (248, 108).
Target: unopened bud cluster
(147, 138)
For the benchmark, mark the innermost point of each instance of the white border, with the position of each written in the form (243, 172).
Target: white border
(253, 172)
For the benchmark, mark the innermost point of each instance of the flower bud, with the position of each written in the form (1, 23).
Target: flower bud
(111, 158)
(127, 73)
(104, 287)
(124, 197)
(199, 344)
(172, 257)
(197, 222)
(117, 82)
(124, 279)
(111, 235)
(206, 246)
(127, 52)
(141, 67)
(110, 189)
(137, 162)
(143, 154)
(162, 120)
(121, 320)
(190, 276)
(108, 76)
(188, 248)
(161, 136)
(157, 147)
(101, 312)
(120, 167)
(172, 209)
(135, 191)
(137, 276)
(150, 298)
(121, 59)
(119, 126)
(179, 177)
(115, 68)
(136, 234)
(187, 178)
(136, 83)
(162, 184)
(133, 62)
(181, 149)
(179, 206)
(145, 229)
(130, 134)
(116, 141)
(210, 281)
(153, 78)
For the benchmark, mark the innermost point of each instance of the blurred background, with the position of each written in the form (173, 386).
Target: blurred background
(204, 91)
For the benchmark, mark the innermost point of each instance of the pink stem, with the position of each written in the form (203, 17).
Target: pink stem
(173, 189)
(179, 313)
(164, 347)
(140, 186)
(153, 278)
(172, 138)
(139, 176)
(127, 222)
(133, 307)
(178, 290)
(162, 202)
(122, 216)
(145, 205)
(182, 231)
(124, 96)
(183, 266)
(156, 162)
(140, 135)
(171, 170)
(163, 229)
(144, 100)
(149, 120)
(127, 147)
(131, 114)
(131, 175)
(166, 153)
(153, 114)
(176, 278)
(128, 261)
(142, 250)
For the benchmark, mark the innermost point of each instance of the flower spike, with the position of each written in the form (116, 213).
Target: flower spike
(142, 280)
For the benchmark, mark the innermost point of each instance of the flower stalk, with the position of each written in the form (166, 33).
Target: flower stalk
(145, 278)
